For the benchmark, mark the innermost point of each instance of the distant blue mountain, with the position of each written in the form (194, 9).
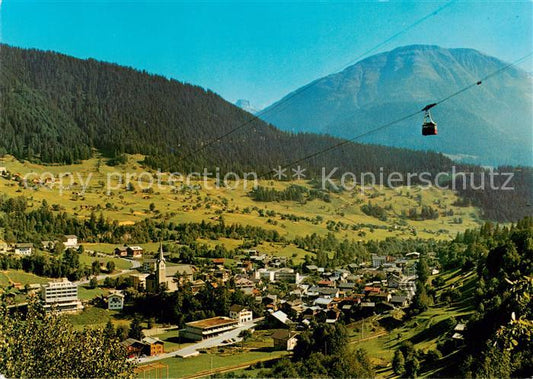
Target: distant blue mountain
(489, 124)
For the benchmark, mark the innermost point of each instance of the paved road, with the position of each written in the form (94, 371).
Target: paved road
(205, 344)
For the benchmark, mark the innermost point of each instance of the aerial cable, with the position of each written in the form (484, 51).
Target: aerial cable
(276, 106)
(406, 117)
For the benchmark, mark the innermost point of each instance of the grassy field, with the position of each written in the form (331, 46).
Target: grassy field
(120, 264)
(96, 317)
(19, 276)
(184, 204)
(86, 293)
(179, 367)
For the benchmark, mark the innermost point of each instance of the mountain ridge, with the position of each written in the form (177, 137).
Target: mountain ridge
(401, 82)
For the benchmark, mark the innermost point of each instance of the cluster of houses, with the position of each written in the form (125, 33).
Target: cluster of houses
(26, 248)
(315, 293)
(311, 293)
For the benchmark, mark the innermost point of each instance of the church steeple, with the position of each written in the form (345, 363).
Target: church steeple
(161, 255)
(160, 267)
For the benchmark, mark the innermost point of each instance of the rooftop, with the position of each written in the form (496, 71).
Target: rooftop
(212, 322)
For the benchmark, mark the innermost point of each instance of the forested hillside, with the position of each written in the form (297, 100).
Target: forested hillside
(57, 109)
(498, 340)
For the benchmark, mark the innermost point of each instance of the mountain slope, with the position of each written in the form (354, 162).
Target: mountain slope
(57, 109)
(489, 124)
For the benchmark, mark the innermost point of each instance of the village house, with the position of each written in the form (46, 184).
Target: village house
(23, 248)
(265, 274)
(139, 281)
(240, 313)
(71, 242)
(245, 285)
(135, 252)
(134, 348)
(115, 301)
(153, 346)
(278, 319)
(148, 265)
(284, 339)
(121, 251)
(3, 170)
(148, 346)
(288, 275)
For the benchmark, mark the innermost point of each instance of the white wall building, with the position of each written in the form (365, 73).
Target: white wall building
(62, 295)
(23, 248)
(240, 313)
(115, 301)
(71, 242)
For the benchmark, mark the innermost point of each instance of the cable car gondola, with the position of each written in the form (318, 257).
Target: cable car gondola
(429, 127)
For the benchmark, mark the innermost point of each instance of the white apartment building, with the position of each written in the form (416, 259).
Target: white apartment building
(61, 295)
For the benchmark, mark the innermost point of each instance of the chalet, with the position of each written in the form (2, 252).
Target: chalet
(284, 339)
(371, 290)
(240, 313)
(310, 291)
(197, 285)
(393, 281)
(208, 328)
(70, 242)
(134, 348)
(246, 265)
(381, 297)
(367, 308)
(278, 319)
(342, 273)
(347, 287)
(323, 302)
(153, 346)
(328, 292)
(353, 267)
(115, 301)
(384, 307)
(23, 248)
(135, 252)
(399, 301)
(332, 315)
(121, 251)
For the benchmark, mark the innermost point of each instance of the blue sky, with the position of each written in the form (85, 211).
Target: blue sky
(255, 50)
